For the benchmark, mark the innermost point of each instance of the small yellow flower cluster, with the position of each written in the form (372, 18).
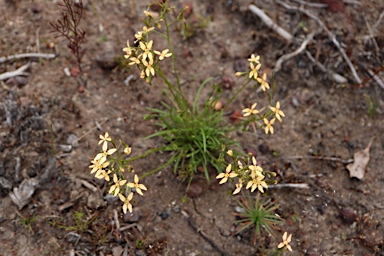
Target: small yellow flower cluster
(144, 56)
(254, 66)
(250, 174)
(104, 166)
(252, 113)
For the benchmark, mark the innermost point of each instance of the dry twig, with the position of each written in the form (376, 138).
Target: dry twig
(268, 21)
(316, 5)
(338, 78)
(331, 36)
(290, 55)
(378, 22)
(27, 55)
(327, 158)
(17, 72)
(376, 78)
(290, 185)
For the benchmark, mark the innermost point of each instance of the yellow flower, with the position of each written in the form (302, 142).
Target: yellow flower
(255, 59)
(257, 170)
(228, 174)
(136, 185)
(128, 50)
(102, 157)
(97, 166)
(268, 125)
(148, 67)
(102, 174)
(151, 14)
(239, 186)
(139, 36)
(230, 152)
(104, 139)
(254, 70)
(277, 111)
(134, 61)
(286, 241)
(239, 74)
(127, 202)
(163, 54)
(257, 182)
(115, 188)
(127, 150)
(142, 74)
(147, 50)
(147, 30)
(147, 13)
(263, 82)
(240, 165)
(250, 111)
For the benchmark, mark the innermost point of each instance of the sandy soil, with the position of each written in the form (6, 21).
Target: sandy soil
(48, 131)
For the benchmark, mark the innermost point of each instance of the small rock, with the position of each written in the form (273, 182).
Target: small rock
(95, 201)
(195, 189)
(348, 215)
(107, 57)
(164, 215)
(65, 148)
(176, 208)
(73, 140)
(227, 82)
(140, 253)
(17, 81)
(117, 250)
(132, 217)
(264, 149)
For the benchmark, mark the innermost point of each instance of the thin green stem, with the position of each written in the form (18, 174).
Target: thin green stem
(149, 152)
(176, 73)
(237, 93)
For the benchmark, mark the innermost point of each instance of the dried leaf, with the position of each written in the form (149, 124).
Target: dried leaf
(21, 195)
(361, 159)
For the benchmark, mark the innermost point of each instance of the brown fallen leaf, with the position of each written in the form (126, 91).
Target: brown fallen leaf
(361, 159)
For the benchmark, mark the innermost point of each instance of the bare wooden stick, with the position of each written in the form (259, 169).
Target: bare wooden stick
(290, 185)
(331, 36)
(27, 55)
(268, 21)
(338, 78)
(351, 2)
(116, 218)
(316, 5)
(17, 72)
(376, 78)
(290, 55)
(327, 158)
(378, 22)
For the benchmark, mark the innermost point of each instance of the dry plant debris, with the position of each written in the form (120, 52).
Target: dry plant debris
(357, 168)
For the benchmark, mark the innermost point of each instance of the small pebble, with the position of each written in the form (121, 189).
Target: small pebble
(227, 82)
(65, 148)
(264, 149)
(348, 215)
(73, 140)
(132, 217)
(195, 189)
